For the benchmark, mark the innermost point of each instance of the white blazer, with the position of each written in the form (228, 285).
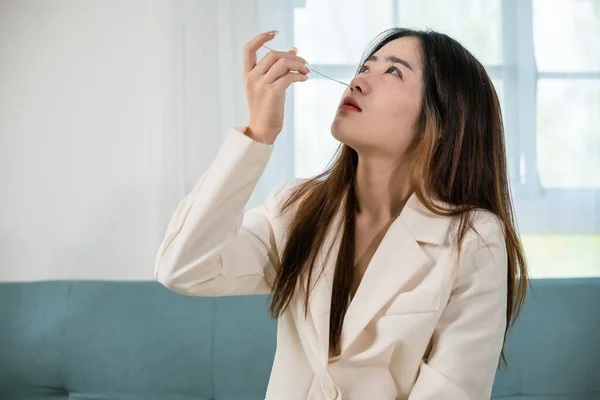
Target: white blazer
(418, 327)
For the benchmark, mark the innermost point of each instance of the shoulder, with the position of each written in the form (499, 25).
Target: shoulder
(482, 226)
(280, 191)
(486, 228)
(483, 251)
(483, 238)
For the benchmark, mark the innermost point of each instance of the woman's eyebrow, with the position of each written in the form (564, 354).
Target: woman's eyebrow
(392, 59)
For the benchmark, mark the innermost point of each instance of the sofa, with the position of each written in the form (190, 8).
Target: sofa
(137, 340)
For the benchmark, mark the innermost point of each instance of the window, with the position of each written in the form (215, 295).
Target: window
(544, 61)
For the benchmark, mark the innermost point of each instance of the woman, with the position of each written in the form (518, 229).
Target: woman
(394, 274)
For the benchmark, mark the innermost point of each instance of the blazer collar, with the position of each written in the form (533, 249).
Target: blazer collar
(398, 264)
(424, 225)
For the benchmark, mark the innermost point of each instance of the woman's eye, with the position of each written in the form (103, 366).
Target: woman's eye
(394, 69)
(365, 68)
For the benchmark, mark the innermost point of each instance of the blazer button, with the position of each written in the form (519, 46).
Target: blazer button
(330, 391)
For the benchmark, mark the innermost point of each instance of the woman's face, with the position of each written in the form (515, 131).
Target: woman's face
(389, 92)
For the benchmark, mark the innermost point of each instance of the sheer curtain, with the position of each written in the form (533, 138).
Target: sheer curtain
(214, 98)
(90, 123)
(111, 111)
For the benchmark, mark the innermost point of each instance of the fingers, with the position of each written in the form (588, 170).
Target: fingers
(286, 80)
(283, 66)
(252, 47)
(271, 58)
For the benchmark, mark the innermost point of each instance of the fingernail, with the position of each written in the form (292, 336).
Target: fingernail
(292, 48)
(273, 33)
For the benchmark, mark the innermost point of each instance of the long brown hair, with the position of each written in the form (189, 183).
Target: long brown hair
(459, 158)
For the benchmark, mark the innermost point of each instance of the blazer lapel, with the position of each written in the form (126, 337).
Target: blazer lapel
(399, 264)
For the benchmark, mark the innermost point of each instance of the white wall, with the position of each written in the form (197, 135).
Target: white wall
(90, 93)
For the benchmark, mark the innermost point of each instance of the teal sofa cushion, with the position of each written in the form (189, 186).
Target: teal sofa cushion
(138, 340)
(114, 340)
(554, 350)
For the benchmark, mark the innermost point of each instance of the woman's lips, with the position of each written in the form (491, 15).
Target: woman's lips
(349, 107)
(350, 104)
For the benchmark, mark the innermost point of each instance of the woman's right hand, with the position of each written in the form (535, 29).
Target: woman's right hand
(265, 84)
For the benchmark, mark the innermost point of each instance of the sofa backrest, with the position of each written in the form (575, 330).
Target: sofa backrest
(138, 340)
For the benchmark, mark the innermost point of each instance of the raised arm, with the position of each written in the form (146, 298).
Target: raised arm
(211, 247)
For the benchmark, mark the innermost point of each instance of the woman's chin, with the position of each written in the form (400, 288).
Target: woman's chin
(344, 137)
(342, 131)
(337, 135)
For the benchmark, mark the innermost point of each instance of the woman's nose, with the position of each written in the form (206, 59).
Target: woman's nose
(359, 85)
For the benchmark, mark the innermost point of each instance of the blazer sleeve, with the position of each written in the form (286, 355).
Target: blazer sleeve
(468, 339)
(213, 248)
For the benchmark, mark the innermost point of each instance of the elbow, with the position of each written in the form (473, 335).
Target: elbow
(176, 285)
(169, 274)
(166, 278)
(190, 279)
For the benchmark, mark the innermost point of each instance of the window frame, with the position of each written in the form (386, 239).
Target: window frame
(539, 210)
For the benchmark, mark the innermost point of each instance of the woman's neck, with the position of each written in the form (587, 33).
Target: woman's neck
(381, 188)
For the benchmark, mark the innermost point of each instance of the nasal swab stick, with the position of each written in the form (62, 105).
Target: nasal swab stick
(315, 71)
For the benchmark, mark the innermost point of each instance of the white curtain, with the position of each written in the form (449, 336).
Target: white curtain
(110, 112)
